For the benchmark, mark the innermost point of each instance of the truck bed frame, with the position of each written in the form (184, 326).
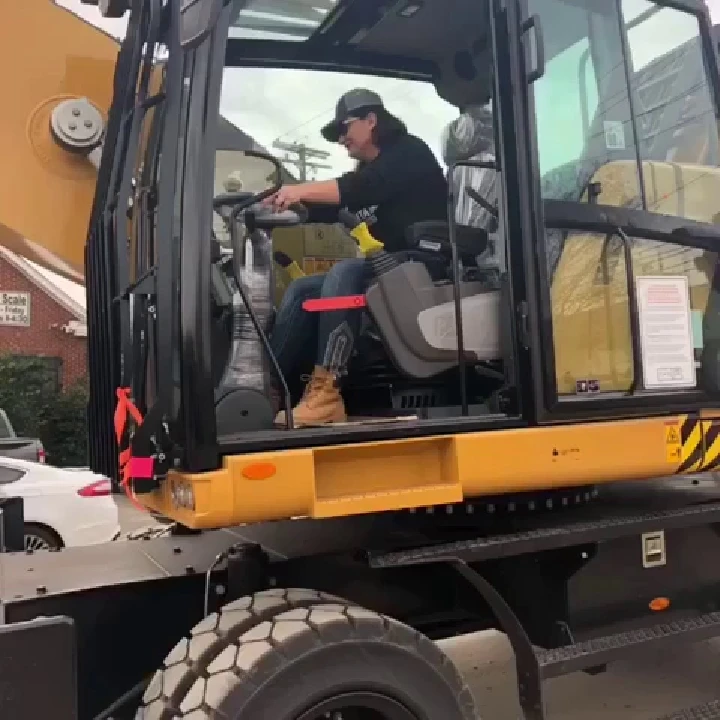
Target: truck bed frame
(95, 622)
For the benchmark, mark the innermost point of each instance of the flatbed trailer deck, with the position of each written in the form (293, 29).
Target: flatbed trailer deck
(558, 580)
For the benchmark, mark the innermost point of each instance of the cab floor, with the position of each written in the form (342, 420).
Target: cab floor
(357, 429)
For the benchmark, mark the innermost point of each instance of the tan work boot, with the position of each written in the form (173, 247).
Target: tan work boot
(320, 404)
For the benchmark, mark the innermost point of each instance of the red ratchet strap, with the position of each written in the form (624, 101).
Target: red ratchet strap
(346, 302)
(130, 467)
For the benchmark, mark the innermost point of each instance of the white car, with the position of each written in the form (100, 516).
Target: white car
(63, 507)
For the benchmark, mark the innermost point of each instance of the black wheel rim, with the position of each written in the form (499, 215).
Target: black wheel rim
(360, 705)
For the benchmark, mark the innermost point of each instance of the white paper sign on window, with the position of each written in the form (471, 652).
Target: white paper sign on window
(666, 339)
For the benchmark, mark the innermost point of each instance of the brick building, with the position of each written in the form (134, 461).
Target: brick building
(42, 315)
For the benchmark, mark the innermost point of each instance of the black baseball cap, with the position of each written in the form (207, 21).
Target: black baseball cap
(349, 103)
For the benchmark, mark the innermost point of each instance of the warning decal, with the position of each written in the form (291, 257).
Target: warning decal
(666, 339)
(673, 443)
(699, 444)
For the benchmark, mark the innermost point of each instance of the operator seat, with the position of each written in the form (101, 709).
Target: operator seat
(416, 316)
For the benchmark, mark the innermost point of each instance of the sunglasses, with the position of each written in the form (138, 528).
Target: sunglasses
(345, 124)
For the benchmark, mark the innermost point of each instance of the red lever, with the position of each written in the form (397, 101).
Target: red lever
(346, 302)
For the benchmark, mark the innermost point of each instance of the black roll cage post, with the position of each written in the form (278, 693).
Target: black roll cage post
(205, 60)
(457, 295)
(153, 289)
(106, 257)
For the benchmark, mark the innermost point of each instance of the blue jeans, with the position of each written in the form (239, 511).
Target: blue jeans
(325, 338)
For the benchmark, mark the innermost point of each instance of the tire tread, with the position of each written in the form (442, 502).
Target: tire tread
(188, 661)
(275, 643)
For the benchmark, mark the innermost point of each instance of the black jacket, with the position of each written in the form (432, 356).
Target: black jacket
(403, 185)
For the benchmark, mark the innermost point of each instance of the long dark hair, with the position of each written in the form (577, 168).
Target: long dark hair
(388, 128)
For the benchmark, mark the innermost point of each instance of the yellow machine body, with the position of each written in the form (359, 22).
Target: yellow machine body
(592, 339)
(46, 194)
(421, 472)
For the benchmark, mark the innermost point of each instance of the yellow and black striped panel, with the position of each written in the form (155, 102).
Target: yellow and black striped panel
(700, 438)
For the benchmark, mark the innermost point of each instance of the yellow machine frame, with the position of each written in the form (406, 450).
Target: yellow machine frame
(46, 194)
(442, 470)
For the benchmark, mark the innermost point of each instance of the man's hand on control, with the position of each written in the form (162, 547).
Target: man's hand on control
(286, 196)
(320, 192)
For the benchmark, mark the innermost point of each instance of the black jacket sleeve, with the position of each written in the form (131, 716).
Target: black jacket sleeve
(384, 177)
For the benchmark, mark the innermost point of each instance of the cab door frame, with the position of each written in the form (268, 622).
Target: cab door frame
(516, 201)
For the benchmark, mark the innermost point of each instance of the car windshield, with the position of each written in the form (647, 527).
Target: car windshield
(618, 108)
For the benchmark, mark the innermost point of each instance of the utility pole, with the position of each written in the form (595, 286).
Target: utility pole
(304, 158)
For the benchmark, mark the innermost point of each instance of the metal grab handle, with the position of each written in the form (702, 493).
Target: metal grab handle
(533, 23)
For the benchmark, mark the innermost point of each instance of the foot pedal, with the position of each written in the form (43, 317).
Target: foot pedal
(598, 651)
(708, 711)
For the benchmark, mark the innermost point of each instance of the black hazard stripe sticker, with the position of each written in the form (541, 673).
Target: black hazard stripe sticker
(700, 445)
(712, 446)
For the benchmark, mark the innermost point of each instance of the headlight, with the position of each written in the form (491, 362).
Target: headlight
(182, 495)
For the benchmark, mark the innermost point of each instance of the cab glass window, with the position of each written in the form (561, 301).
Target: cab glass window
(288, 20)
(568, 94)
(582, 105)
(281, 112)
(592, 316)
(608, 121)
(624, 116)
(270, 110)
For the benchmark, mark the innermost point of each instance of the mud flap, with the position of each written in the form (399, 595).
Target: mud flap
(12, 525)
(38, 670)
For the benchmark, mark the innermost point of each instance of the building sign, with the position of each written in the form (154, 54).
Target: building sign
(15, 308)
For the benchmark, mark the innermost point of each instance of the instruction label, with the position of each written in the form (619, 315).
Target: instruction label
(666, 339)
(614, 135)
(673, 444)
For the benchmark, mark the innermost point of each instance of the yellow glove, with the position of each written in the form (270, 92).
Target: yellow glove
(366, 242)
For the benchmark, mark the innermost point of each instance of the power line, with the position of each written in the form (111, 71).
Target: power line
(304, 157)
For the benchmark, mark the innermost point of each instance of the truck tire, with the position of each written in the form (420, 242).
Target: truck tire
(310, 663)
(189, 659)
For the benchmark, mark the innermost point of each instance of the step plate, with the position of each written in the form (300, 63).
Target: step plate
(708, 711)
(571, 658)
(567, 535)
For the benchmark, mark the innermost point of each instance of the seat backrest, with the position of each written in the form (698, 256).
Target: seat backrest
(471, 137)
(434, 236)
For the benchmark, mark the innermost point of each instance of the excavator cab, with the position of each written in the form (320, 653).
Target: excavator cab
(580, 141)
